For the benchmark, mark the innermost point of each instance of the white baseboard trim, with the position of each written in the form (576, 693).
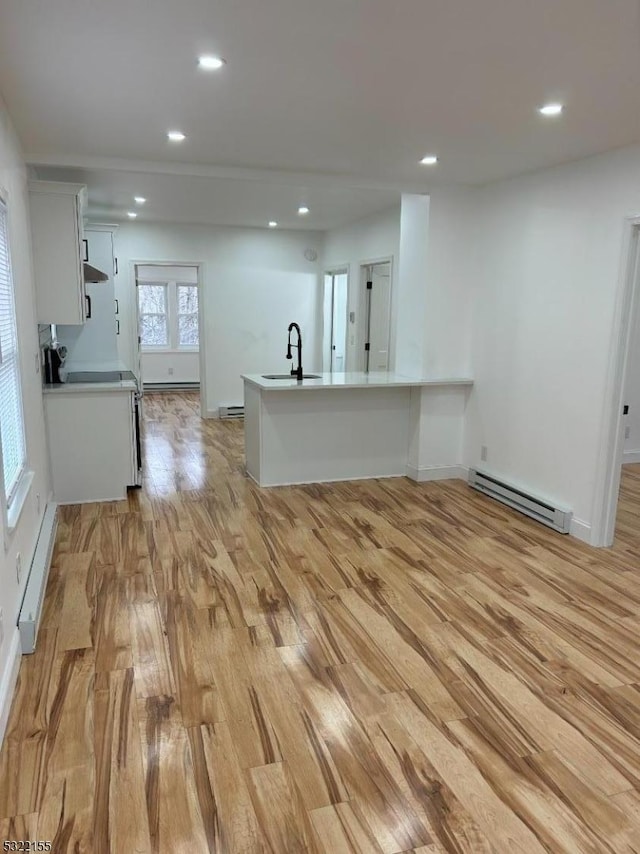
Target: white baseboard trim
(322, 480)
(91, 500)
(631, 457)
(177, 386)
(211, 413)
(580, 530)
(421, 475)
(8, 683)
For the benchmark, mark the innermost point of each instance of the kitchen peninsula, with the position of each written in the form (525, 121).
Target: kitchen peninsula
(346, 426)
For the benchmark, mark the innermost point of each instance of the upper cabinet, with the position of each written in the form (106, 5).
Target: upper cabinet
(59, 251)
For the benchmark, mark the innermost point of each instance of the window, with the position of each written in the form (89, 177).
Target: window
(154, 319)
(168, 316)
(12, 440)
(187, 316)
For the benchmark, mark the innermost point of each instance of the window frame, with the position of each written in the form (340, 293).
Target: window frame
(186, 348)
(173, 315)
(13, 501)
(151, 348)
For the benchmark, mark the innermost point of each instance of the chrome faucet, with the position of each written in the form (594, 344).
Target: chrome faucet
(295, 372)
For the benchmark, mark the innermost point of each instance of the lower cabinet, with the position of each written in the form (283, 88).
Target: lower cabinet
(92, 443)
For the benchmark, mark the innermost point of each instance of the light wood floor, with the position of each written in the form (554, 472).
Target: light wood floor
(377, 666)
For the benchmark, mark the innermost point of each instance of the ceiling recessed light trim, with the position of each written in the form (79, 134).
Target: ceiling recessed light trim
(176, 136)
(554, 109)
(132, 214)
(429, 160)
(210, 63)
(303, 210)
(272, 223)
(139, 200)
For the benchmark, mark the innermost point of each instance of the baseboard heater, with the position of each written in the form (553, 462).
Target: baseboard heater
(558, 518)
(31, 610)
(177, 386)
(228, 411)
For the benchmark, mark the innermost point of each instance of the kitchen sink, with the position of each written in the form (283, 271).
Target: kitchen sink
(290, 377)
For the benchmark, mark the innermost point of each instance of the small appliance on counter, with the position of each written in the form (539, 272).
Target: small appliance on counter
(54, 356)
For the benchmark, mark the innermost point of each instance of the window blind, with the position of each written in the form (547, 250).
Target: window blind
(11, 418)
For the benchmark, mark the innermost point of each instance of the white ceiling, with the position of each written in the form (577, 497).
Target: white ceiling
(220, 201)
(353, 88)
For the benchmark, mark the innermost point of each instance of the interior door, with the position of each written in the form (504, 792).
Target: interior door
(378, 317)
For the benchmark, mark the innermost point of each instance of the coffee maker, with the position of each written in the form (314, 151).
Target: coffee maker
(54, 356)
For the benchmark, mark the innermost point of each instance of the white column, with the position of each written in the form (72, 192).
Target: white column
(436, 422)
(411, 286)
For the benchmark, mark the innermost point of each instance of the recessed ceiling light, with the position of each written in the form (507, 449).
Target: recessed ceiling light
(132, 214)
(429, 160)
(551, 109)
(210, 63)
(272, 223)
(303, 210)
(176, 136)
(139, 200)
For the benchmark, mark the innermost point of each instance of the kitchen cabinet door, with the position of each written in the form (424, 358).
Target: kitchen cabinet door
(59, 250)
(92, 443)
(96, 340)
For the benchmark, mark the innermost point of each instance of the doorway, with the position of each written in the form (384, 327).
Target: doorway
(169, 324)
(375, 289)
(619, 457)
(334, 345)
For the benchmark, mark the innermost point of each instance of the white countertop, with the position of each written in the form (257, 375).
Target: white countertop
(354, 379)
(73, 388)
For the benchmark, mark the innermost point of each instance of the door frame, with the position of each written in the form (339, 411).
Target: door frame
(200, 267)
(362, 304)
(609, 466)
(333, 271)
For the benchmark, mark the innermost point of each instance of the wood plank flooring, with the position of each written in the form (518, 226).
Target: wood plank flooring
(376, 666)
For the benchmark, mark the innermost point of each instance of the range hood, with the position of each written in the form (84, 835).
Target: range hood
(92, 274)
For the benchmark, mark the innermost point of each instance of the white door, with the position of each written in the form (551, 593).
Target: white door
(378, 317)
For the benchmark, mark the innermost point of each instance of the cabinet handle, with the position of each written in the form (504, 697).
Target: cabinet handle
(88, 312)
(117, 327)
(117, 307)
(85, 243)
(115, 266)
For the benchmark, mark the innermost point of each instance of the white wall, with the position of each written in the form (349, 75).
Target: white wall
(368, 239)
(549, 258)
(13, 183)
(437, 251)
(254, 282)
(173, 367)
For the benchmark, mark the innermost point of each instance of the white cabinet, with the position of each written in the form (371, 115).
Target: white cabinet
(92, 443)
(59, 250)
(102, 328)
(95, 342)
